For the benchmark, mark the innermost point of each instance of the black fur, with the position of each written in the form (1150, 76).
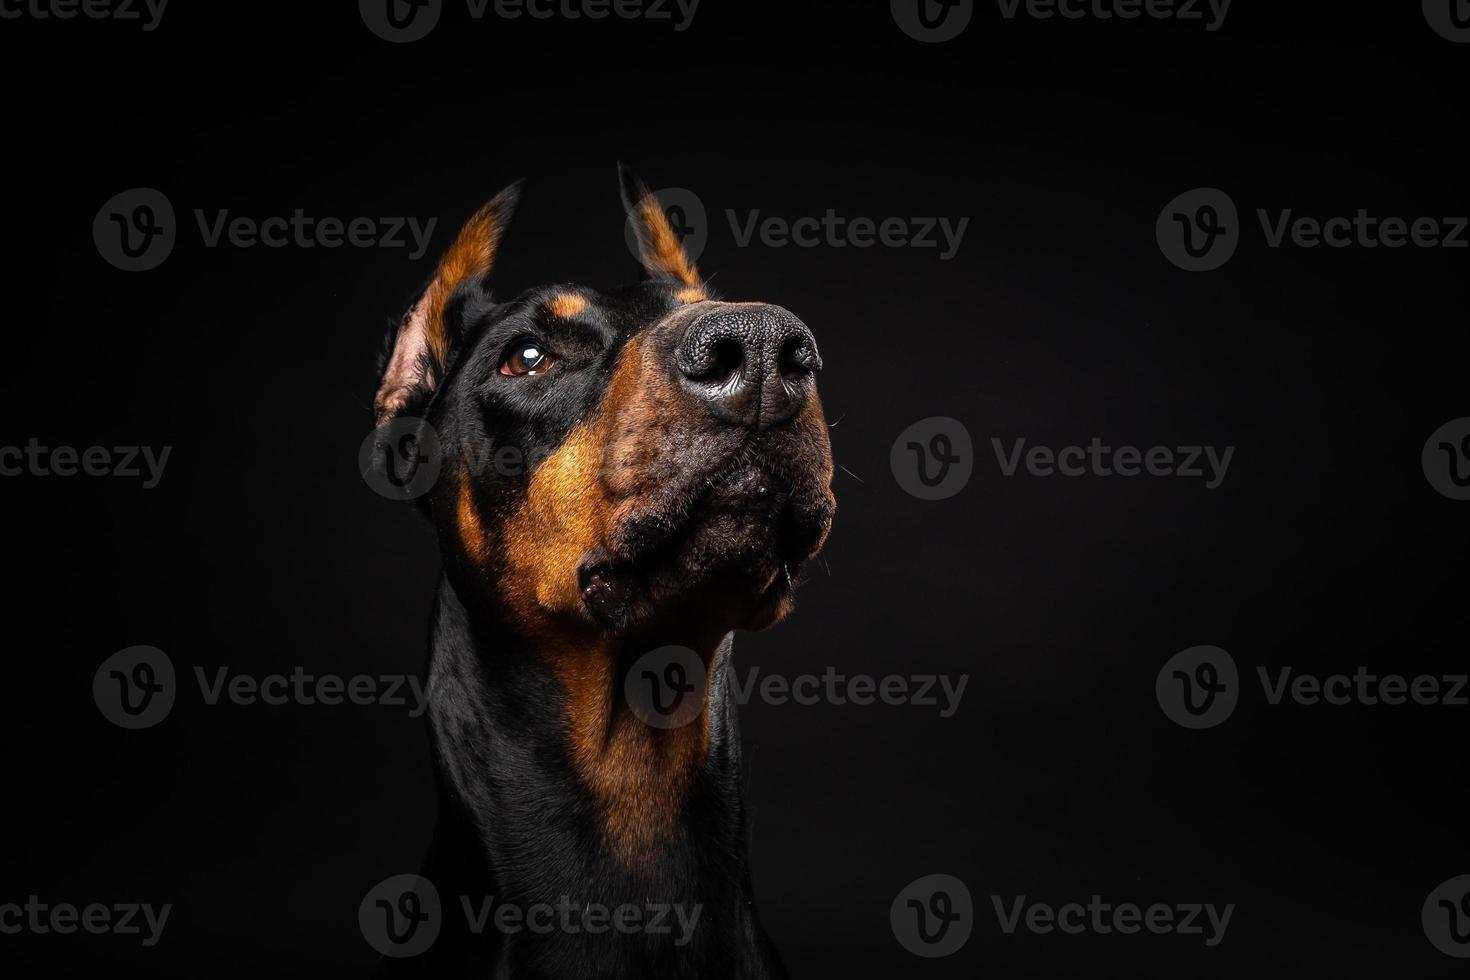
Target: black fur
(515, 823)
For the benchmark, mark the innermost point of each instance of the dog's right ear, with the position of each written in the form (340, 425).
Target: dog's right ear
(423, 342)
(659, 247)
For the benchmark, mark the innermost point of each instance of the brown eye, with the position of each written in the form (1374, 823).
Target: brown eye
(526, 357)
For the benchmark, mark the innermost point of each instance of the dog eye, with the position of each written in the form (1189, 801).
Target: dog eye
(526, 357)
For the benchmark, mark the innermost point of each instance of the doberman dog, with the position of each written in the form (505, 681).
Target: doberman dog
(670, 472)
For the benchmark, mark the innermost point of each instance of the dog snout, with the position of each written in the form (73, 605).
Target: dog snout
(751, 365)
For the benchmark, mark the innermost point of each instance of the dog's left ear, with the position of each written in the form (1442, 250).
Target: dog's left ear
(424, 341)
(662, 253)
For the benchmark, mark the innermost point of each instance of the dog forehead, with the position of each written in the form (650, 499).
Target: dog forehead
(637, 301)
(616, 314)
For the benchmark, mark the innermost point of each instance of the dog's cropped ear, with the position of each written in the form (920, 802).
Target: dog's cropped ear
(663, 255)
(422, 344)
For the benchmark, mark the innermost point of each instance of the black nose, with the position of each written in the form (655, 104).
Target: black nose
(751, 364)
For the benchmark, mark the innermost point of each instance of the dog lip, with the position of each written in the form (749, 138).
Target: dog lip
(595, 573)
(645, 534)
(605, 590)
(589, 573)
(677, 545)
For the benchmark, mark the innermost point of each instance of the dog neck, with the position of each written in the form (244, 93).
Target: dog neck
(552, 787)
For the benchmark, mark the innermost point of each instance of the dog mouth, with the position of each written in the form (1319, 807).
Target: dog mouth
(742, 536)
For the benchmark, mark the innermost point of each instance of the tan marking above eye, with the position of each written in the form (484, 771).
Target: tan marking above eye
(691, 295)
(566, 305)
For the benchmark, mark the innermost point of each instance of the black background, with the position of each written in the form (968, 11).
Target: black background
(1059, 777)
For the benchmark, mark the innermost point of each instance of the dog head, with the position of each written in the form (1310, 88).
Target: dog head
(614, 460)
